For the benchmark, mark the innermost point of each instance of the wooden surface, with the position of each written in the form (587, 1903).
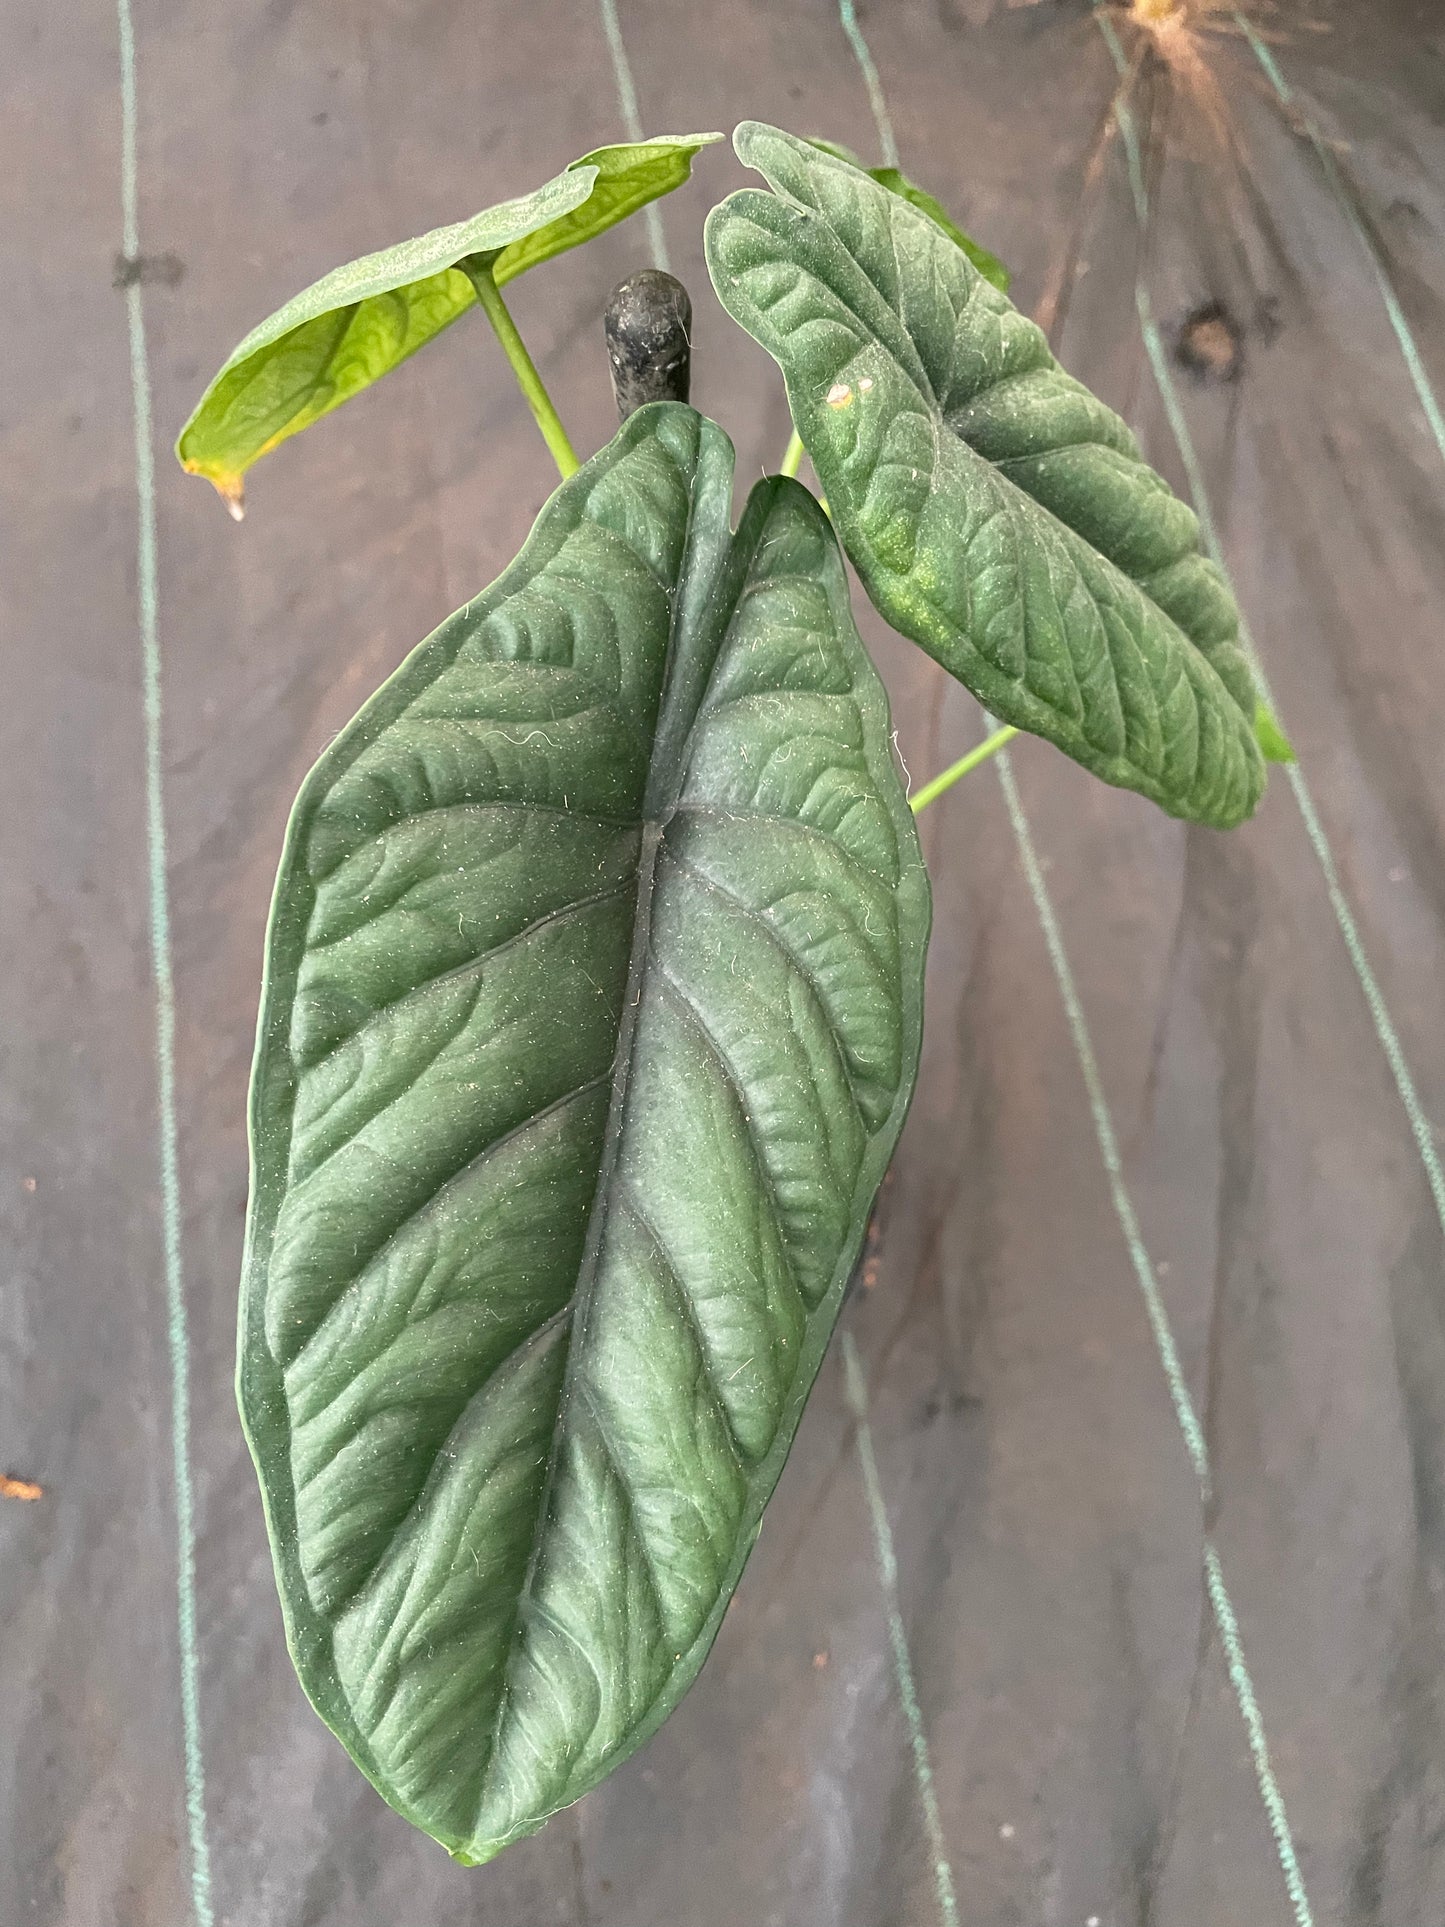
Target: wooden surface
(1088, 1753)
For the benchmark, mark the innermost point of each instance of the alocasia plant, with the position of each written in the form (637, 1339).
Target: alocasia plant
(593, 987)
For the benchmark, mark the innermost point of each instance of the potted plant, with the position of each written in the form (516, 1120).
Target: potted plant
(593, 992)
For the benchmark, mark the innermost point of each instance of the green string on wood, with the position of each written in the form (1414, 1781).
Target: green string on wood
(165, 1002)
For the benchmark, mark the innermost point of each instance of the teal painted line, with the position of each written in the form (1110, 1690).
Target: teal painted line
(857, 1394)
(160, 936)
(1185, 1414)
(1123, 115)
(1330, 168)
(1239, 1679)
(1385, 1030)
(1384, 1027)
(1179, 1397)
(1220, 1605)
(1188, 455)
(877, 100)
(632, 121)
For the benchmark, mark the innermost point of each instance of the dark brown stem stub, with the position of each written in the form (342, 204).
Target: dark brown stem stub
(648, 324)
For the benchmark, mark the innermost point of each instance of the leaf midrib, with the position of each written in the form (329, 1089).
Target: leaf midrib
(638, 964)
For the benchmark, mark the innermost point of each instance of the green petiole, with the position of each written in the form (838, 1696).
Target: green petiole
(477, 269)
(945, 780)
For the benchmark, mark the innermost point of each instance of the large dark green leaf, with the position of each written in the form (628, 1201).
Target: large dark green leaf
(362, 320)
(590, 1022)
(997, 512)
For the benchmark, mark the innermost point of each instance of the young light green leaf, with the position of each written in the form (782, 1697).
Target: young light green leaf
(1274, 745)
(996, 511)
(362, 320)
(591, 1017)
(897, 182)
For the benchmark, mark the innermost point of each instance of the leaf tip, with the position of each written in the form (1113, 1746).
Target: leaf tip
(746, 137)
(229, 484)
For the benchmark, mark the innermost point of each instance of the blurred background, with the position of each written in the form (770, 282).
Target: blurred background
(1104, 1586)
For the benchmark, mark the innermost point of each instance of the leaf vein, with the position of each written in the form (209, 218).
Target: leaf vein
(761, 922)
(559, 914)
(703, 1031)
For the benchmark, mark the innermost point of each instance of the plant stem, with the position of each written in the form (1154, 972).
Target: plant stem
(478, 271)
(793, 460)
(990, 746)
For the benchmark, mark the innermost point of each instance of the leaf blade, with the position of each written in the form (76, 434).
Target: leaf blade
(688, 971)
(897, 182)
(363, 319)
(996, 511)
